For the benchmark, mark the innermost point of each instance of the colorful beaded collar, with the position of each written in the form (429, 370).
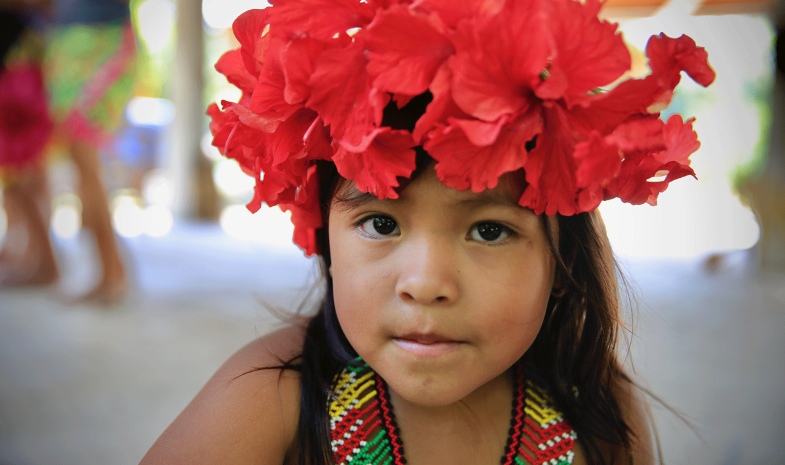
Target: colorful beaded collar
(364, 431)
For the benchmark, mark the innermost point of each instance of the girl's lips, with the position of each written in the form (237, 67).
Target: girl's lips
(427, 347)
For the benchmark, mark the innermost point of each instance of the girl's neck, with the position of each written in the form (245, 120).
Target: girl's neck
(472, 430)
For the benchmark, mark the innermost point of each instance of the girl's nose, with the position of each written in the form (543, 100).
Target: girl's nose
(429, 274)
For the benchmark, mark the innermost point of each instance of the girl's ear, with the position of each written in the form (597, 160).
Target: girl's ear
(560, 280)
(558, 288)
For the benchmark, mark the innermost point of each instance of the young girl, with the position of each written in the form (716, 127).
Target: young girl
(445, 161)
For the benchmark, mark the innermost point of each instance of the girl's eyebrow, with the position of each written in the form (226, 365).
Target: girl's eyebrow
(351, 197)
(502, 201)
(495, 199)
(488, 198)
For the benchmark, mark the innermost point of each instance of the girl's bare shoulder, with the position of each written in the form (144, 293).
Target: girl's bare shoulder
(635, 412)
(243, 414)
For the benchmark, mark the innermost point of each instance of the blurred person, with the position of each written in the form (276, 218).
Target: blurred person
(89, 69)
(90, 59)
(26, 257)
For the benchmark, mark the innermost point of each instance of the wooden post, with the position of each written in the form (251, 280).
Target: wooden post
(766, 189)
(195, 195)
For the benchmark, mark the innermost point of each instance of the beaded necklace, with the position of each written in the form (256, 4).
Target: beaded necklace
(364, 431)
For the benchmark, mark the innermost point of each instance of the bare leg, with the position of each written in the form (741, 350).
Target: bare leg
(27, 257)
(112, 285)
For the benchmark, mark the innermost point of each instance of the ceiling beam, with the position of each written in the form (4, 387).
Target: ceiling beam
(640, 8)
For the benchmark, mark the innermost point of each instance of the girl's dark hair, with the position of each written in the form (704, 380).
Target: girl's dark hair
(574, 352)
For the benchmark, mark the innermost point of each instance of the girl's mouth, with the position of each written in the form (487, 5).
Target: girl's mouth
(427, 345)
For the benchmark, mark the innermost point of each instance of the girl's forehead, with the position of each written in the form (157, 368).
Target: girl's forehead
(506, 193)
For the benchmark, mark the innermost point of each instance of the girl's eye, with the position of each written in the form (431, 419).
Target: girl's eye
(379, 226)
(489, 232)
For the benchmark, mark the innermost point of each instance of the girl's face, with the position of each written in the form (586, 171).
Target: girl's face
(439, 291)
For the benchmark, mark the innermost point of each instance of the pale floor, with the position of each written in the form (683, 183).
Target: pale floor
(85, 385)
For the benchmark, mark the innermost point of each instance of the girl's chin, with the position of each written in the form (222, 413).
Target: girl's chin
(442, 381)
(431, 390)
(427, 397)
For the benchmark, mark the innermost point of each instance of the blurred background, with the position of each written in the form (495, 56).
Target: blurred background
(95, 381)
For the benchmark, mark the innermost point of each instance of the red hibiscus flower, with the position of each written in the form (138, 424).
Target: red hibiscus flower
(504, 76)
(377, 162)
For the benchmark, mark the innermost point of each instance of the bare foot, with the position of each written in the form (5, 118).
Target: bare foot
(28, 273)
(106, 293)
(27, 257)
(111, 289)
(113, 284)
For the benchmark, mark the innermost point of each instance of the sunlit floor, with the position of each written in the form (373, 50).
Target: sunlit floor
(84, 385)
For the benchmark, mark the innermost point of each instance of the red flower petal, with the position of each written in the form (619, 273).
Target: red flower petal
(598, 161)
(268, 96)
(675, 171)
(464, 165)
(603, 112)
(266, 190)
(320, 19)
(251, 119)
(680, 139)
(233, 138)
(306, 213)
(479, 133)
(551, 170)
(248, 29)
(222, 129)
(629, 185)
(343, 95)
(498, 61)
(441, 107)
(298, 65)
(641, 133)
(318, 143)
(287, 142)
(304, 235)
(218, 118)
(451, 11)
(652, 148)
(378, 161)
(668, 57)
(588, 52)
(407, 64)
(231, 65)
(555, 85)
(633, 184)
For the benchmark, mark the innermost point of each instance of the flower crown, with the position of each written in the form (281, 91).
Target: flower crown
(514, 84)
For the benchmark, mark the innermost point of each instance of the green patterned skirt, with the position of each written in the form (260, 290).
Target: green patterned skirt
(90, 72)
